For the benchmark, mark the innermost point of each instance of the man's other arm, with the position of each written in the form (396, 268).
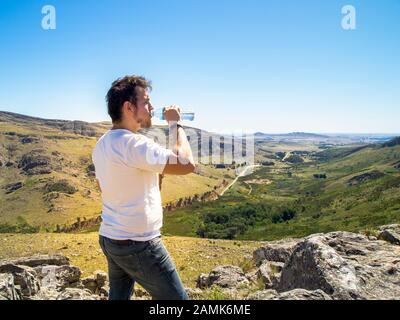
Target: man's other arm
(181, 161)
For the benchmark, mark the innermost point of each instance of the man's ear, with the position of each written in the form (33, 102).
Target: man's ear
(128, 106)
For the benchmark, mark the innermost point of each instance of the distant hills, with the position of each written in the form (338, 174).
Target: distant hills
(339, 138)
(391, 143)
(291, 134)
(77, 127)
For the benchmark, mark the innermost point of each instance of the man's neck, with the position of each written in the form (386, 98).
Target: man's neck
(133, 128)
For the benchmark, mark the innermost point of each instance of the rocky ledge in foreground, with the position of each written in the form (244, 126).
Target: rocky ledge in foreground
(49, 277)
(337, 265)
(332, 266)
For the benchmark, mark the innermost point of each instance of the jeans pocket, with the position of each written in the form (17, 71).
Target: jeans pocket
(160, 258)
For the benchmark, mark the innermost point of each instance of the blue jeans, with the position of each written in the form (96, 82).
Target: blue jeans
(145, 262)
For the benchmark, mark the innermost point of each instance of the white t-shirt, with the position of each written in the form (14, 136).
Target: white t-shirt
(127, 167)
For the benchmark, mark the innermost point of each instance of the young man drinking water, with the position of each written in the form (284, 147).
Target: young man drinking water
(129, 168)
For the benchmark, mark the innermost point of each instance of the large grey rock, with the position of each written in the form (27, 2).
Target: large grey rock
(302, 294)
(194, 293)
(390, 233)
(59, 277)
(223, 276)
(25, 278)
(77, 294)
(47, 277)
(40, 260)
(278, 251)
(267, 294)
(96, 283)
(344, 265)
(269, 272)
(46, 293)
(7, 287)
(296, 294)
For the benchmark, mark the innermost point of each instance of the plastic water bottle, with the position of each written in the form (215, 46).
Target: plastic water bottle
(159, 114)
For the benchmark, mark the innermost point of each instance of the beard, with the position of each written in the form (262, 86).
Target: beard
(144, 123)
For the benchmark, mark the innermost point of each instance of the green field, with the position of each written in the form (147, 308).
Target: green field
(295, 203)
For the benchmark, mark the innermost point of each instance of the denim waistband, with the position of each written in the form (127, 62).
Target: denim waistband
(128, 242)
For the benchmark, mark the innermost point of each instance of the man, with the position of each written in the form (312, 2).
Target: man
(128, 166)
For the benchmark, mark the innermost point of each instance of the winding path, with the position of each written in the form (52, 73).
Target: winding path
(241, 174)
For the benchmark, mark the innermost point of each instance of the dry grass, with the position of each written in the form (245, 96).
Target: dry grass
(192, 256)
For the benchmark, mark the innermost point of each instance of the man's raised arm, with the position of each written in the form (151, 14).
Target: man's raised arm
(181, 162)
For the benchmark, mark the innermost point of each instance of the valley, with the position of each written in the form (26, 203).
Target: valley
(299, 184)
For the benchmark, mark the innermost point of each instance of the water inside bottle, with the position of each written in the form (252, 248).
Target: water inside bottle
(185, 115)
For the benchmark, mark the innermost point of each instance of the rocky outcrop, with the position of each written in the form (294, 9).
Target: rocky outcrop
(76, 294)
(7, 287)
(204, 197)
(25, 278)
(80, 224)
(372, 175)
(59, 277)
(390, 233)
(344, 265)
(336, 265)
(46, 277)
(278, 251)
(228, 277)
(270, 272)
(34, 162)
(39, 260)
(96, 283)
(79, 127)
(10, 188)
(296, 294)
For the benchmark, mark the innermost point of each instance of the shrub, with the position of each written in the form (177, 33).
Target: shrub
(285, 215)
(60, 186)
(22, 226)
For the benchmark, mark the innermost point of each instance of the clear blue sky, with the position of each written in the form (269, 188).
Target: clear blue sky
(271, 66)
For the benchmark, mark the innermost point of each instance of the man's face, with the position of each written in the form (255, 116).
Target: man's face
(143, 108)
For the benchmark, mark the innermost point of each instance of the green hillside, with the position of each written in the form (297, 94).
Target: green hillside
(47, 178)
(337, 189)
(303, 186)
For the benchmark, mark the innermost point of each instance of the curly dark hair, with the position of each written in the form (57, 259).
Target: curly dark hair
(124, 89)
